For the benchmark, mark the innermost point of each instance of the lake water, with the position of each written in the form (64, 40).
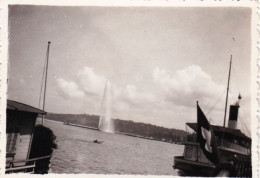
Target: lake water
(118, 154)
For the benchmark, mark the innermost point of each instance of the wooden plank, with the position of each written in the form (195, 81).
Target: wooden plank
(39, 158)
(23, 162)
(19, 168)
(22, 147)
(27, 136)
(25, 125)
(33, 159)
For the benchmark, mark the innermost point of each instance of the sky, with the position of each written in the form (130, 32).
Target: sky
(158, 60)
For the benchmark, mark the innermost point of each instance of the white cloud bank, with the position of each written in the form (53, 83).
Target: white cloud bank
(186, 85)
(90, 82)
(171, 96)
(70, 89)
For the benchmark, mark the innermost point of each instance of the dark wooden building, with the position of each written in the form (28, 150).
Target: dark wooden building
(20, 123)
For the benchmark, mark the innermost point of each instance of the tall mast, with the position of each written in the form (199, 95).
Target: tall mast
(227, 92)
(46, 76)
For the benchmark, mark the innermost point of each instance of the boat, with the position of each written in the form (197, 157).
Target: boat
(213, 150)
(97, 141)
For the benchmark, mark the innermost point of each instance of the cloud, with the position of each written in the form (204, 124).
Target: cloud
(85, 90)
(180, 90)
(91, 82)
(186, 85)
(91, 85)
(132, 95)
(70, 89)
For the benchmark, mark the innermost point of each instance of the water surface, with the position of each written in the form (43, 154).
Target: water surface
(118, 154)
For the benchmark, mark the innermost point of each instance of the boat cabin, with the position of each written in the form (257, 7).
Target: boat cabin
(228, 141)
(20, 123)
(233, 147)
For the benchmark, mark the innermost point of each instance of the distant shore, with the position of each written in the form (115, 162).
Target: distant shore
(117, 132)
(126, 127)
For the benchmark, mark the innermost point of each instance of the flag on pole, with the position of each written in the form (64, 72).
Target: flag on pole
(205, 136)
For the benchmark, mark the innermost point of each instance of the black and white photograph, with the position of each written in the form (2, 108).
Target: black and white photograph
(130, 90)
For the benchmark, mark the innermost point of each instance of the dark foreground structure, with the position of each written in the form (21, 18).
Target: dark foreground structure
(20, 119)
(229, 153)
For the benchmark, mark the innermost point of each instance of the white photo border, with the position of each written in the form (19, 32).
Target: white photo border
(255, 63)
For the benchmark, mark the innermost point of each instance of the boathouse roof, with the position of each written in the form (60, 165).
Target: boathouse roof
(14, 105)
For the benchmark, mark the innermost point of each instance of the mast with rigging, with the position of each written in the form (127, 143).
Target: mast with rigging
(46, 76)
(227, 92)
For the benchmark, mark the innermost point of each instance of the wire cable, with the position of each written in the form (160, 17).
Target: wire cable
(215, 103)
(210, 99)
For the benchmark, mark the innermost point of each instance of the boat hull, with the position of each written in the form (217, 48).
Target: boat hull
(192, 168)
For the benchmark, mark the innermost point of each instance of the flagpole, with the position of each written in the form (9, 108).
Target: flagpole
(227, 92)
(46, 75)
(197, 159)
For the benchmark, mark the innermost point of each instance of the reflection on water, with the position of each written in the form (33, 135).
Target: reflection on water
(118, 154)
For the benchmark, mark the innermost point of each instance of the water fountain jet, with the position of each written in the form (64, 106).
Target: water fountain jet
(106, 123)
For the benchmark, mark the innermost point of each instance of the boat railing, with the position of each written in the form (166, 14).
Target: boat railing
(234, 146)
(26, 166)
